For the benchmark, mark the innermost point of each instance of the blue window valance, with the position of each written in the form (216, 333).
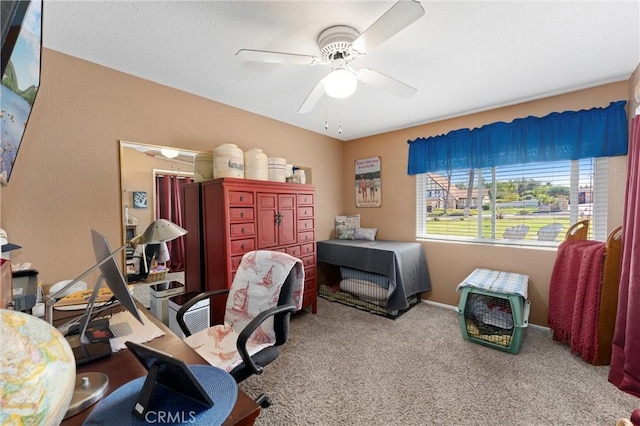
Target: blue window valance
(569, 135)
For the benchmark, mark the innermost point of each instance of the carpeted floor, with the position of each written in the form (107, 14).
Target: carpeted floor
(344, 366)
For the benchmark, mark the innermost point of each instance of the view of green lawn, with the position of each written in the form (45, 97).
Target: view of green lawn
(468, 227)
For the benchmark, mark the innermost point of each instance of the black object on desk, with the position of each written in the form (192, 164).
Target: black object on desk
(168, 371)
(96, 348)
(85, 353)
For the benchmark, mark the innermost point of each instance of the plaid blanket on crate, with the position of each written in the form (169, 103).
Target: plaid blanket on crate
(497, 281)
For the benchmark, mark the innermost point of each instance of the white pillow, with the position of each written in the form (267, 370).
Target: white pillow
(365, 234)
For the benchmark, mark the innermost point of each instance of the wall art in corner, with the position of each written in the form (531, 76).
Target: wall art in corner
(368, 183)
(139, 200)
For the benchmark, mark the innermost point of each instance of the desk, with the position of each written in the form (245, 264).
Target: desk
(122, 367)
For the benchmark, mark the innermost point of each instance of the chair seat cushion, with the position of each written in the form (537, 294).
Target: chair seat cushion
(217, 345)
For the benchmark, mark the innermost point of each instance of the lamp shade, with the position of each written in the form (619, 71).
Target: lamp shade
(340, 83)
(161, 231)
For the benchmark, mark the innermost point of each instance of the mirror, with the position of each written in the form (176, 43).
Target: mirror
(139, 166)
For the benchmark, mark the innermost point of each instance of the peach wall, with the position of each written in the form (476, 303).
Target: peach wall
(450, 263)
(67, 177)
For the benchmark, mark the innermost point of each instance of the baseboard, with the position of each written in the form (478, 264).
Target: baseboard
(455, 308)
(440, 305)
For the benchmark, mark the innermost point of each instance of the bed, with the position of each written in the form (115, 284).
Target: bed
(583, 293)
(384, 277)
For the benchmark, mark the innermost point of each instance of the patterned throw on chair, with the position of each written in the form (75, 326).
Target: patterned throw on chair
(256, 288)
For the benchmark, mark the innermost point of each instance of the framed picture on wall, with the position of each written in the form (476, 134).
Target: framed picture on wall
(139, 200)
(368, 183)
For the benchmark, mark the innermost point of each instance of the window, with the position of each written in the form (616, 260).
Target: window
(525, 204)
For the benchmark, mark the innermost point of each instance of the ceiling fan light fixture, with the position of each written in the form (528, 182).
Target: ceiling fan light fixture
(340, 83)
(169, 153)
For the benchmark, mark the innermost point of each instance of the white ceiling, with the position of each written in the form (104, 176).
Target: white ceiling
(461, 56)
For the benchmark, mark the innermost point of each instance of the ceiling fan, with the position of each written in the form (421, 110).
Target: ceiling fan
(339, 46)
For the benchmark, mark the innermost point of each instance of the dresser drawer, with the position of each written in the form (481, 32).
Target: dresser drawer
(309, 260)
(235, 262)
(305, 199)
(242, 230)
(307, 236)
(307, 249)
(305, 211)
(242, 246)
(293, 251)
(305, 224)
(241, 198)
(240, 213)
(309, 285)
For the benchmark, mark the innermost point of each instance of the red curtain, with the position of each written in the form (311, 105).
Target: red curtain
(169, 206)
(625, 358)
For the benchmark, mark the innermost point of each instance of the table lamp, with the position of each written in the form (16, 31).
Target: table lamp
(159, 231)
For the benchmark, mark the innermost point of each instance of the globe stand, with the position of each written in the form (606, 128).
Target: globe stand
(90, 388)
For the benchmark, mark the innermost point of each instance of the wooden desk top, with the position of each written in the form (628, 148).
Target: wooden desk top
(122, 367)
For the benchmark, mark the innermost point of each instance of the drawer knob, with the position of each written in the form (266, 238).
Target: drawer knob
(242, 198)
(243, 229)
(241, 214)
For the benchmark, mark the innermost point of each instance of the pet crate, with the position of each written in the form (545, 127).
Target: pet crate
(493, 319)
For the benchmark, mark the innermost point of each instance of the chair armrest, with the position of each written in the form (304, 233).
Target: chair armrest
(184, 308)
(246, 332)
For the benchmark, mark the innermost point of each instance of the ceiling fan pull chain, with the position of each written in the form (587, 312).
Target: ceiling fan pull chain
(326, 121)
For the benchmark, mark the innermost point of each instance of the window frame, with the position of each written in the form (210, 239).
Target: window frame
(598, 217)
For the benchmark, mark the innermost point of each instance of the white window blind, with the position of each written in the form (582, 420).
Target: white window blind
(525, 204)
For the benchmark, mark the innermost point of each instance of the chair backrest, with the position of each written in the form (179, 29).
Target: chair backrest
(549, 232)
(578, 231)
(281, 321)
(265, 279)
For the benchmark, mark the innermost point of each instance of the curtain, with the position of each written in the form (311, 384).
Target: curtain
(169, 206)
(569, 135)
(625, 357)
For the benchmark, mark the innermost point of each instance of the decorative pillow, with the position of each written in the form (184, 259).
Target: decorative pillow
(346, 225)
(344, 233)
(365, 234)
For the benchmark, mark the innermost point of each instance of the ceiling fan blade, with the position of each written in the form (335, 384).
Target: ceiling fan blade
(276, 57)
(384, 82)
(310, 103)
(401, 15)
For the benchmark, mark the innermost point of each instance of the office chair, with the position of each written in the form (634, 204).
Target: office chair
(267, 288)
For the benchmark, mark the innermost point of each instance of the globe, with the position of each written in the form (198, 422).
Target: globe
(37, 371)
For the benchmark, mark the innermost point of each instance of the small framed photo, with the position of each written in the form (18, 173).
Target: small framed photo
(139, 200)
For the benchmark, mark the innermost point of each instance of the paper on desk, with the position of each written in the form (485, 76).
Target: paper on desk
(139, 333)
